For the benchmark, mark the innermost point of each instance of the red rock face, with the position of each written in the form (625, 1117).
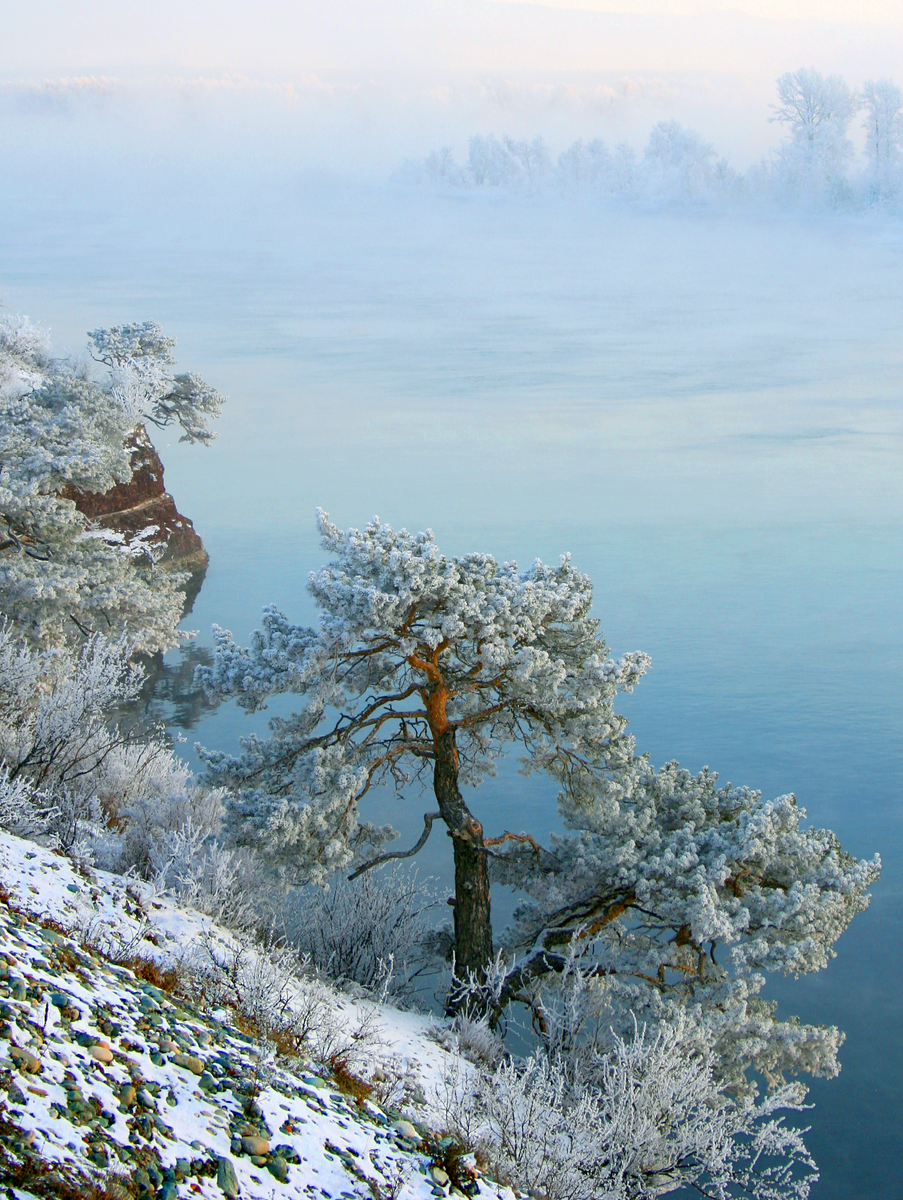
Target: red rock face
(130, 508)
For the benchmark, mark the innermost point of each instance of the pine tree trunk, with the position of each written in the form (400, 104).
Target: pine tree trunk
(473, 926)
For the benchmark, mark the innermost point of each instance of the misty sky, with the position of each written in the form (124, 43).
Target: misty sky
(285, 35)
(371, 81)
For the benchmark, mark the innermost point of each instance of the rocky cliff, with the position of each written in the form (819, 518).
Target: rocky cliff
(143, 508)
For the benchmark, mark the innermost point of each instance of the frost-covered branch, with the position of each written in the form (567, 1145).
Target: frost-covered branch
(428, 819)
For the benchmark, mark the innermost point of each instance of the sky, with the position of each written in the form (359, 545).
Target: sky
(385, 79)
(48, 35)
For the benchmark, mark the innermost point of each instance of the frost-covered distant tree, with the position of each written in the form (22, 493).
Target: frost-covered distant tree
(63, 431)
(678, 165)
(671, 892)
(508, 163)
(883, 124)
(441, 168)
(587, 164)
(817, 109)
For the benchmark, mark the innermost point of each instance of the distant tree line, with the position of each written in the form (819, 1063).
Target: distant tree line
(813, 166)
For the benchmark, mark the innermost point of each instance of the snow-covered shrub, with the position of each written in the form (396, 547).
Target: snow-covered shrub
(55, 709)
(226, 884)
(74, 775)
(23, 810)
(353, 931)
(161, 815)
(56, 732)
(290, 1007)
(474, 1040)
(647, 1119)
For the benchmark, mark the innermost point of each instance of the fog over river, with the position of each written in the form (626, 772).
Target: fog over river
(704, 409)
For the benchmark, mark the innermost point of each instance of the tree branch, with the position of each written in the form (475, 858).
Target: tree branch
(428, 819)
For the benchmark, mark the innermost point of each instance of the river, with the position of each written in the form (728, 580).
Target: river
(704, 409)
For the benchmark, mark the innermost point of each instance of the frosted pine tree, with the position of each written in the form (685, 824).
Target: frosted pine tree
(670, 893)
(422, 669)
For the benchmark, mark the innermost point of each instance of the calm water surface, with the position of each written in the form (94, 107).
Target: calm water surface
(705, 411)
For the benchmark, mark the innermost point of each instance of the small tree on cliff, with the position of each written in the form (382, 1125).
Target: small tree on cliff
(64, 431)
(422, 669)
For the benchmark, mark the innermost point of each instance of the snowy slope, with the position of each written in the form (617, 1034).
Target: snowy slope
(107, 1076)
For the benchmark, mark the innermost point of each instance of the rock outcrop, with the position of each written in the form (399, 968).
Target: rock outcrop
(142, 509)
(132, 508)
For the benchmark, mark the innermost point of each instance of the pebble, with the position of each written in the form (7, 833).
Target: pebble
(278, 1168)
(190, 1062)
(226, 1179)
(25, 1060)
(255, 1145)
(407, 1131)
(100, 1053)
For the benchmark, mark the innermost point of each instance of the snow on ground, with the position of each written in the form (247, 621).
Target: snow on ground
(108, 1076)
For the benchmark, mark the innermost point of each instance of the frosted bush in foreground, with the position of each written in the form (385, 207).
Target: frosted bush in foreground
(643, 1119)
(292, 1009)
(23, 810)
(55, 709)
(76, 773)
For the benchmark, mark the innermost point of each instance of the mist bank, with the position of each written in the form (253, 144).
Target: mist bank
(113, 146)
